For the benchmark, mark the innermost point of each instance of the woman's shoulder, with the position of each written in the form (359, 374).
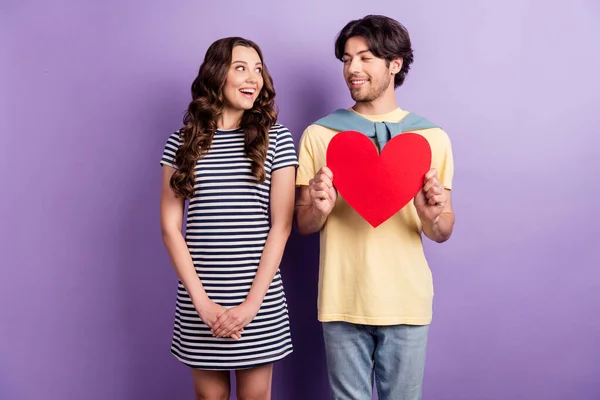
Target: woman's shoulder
(175, 136)
(279, 129)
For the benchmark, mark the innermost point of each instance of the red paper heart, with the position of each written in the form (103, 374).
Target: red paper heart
(377, 186)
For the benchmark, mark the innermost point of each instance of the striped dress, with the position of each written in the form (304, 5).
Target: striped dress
(226, 229)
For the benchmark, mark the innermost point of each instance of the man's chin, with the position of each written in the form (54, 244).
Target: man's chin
(360, 99)
(356, 96)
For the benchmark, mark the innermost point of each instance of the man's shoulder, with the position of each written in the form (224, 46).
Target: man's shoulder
(317, 137)
(315, 128)
(437, 134)
(427, 127)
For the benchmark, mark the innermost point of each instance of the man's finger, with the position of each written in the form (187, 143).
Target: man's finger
(436, 200)
(327, 181)
(327, 172)
(431, 183)
(432, 173)
(433, 191)
(323, 186)
(321, 195)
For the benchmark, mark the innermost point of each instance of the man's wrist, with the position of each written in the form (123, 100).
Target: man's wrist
(318, 215)
(431, 223)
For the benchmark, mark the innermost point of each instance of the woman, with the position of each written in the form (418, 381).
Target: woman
(237, 167)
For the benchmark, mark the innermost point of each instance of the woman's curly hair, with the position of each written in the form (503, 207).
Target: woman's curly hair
(207, 105)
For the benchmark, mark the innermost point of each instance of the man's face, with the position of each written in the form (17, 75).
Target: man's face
(367, 76)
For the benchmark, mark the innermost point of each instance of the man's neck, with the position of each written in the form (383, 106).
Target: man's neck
(380, 106)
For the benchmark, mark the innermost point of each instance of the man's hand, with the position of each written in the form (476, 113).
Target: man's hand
(431, 199)
(322, 192)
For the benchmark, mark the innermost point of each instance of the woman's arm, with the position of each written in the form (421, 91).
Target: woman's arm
(283, 192)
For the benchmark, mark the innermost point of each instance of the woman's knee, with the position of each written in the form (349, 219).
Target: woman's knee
(211, 385)
(254, 384)
(211, 393)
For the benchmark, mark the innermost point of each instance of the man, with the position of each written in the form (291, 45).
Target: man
(375, 286)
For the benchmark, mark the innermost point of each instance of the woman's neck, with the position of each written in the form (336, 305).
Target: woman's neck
(230, 119)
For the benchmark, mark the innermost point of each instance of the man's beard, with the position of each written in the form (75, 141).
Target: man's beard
(373, 94)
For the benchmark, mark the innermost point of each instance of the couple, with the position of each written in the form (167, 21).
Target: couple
(239, 170)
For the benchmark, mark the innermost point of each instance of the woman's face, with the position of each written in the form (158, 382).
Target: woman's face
(244, 79)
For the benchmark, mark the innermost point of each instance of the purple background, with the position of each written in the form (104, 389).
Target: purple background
(90, 92)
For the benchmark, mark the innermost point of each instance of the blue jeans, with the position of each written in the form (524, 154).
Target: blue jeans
(393, 355)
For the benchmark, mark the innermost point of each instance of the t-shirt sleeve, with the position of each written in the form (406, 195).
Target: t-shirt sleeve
(445, 164)
(285, 151)
(306, 168)
(168, 155)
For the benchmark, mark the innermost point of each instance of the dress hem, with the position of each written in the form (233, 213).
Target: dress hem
(234, 368)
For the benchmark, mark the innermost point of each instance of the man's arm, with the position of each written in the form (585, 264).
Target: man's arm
(308, 218)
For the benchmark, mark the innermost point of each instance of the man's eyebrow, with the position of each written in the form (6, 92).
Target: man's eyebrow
(360, 52)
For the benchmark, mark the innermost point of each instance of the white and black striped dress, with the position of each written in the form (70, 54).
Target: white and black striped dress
(226, 229)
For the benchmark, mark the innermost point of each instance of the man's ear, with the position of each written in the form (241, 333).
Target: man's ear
(396, 65)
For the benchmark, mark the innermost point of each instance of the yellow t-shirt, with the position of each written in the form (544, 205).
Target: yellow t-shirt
(376, 276)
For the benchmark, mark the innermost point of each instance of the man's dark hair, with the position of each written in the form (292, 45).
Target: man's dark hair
(386, 37)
